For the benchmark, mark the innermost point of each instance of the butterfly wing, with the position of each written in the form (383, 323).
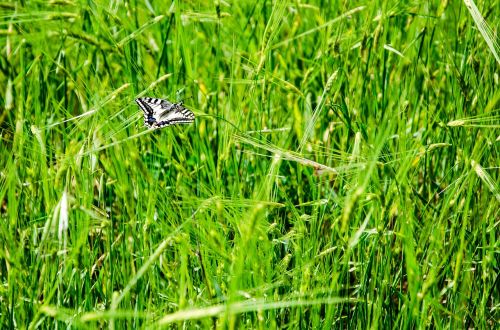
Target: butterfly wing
(175, 114)
(159, 113)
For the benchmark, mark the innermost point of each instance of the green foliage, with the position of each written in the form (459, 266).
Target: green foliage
(342, 171)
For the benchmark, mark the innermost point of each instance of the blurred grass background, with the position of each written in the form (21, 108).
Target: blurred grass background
(342, 171)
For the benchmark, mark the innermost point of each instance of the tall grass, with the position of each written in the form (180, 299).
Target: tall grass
(342, 171)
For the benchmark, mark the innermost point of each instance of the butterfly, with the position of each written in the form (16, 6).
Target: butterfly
(159, 113)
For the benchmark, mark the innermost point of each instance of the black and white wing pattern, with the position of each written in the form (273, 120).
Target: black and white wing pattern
(159, 113)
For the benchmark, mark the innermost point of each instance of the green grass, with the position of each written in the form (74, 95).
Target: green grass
(342, 171)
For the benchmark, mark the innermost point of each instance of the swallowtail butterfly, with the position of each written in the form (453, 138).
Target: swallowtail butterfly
(159, 113)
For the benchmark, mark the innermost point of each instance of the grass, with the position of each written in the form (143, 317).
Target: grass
(342, 171)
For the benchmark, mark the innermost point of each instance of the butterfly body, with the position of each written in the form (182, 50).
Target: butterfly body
(160, 113)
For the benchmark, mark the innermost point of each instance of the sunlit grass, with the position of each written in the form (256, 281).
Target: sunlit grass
(342, 170)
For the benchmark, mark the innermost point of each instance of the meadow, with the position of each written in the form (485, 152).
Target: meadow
(342, 170)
